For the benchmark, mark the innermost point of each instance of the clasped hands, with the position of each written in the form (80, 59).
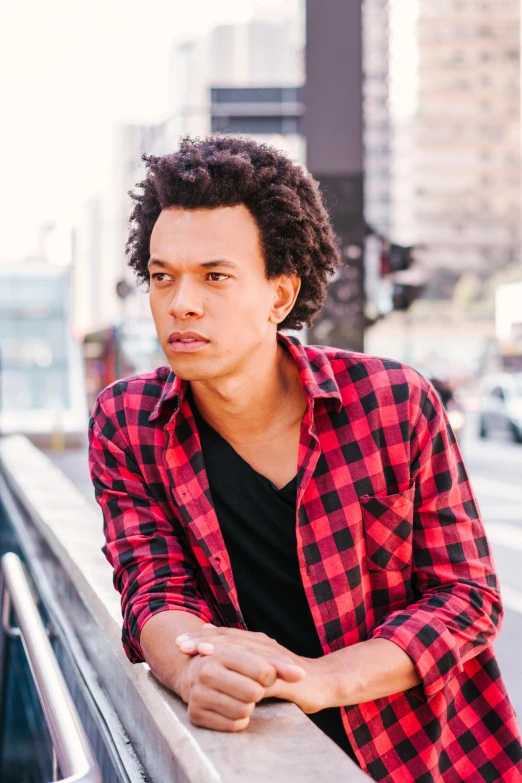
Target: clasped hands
(231, 670)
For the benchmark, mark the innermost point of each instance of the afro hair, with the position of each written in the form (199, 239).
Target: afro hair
(282, 197)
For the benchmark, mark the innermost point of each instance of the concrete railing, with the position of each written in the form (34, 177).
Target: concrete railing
(281, 744)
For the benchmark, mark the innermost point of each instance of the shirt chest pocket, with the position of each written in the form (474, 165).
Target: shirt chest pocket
(388, 528)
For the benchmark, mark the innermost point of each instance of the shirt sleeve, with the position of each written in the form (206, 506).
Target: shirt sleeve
(458, 609)
(152, 569)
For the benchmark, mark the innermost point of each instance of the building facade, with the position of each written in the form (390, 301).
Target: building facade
(41, 371)
(376, 113)
(457, 135)
(455, 181)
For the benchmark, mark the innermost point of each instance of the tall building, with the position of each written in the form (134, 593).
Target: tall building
(376, 112)
(262, 55)
(457, 139)
(454, 98)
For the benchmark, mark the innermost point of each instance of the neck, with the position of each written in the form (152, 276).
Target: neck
(258, 400)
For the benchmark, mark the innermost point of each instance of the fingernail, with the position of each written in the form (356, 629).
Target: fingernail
(205, 647)
(182, 638)
(187, 646)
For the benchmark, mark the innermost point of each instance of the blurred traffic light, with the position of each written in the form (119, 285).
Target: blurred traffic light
(404, 295)
(395, 258)
(401, 258)
(385, 260)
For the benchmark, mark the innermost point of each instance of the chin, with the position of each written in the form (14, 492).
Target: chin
(191, 370)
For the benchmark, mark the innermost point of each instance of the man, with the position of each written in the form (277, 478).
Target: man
(292, 521)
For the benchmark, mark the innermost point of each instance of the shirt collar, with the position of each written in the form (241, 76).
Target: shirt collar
(174, 389)
(315, 370)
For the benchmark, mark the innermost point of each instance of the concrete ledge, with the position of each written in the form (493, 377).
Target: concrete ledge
(280, 745)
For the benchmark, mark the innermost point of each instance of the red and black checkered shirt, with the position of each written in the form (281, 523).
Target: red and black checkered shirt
(390, 545)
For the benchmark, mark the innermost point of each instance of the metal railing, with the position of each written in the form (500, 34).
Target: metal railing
(72, 754)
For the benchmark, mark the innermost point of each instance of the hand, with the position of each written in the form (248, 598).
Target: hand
(222, 690)
(312, 693)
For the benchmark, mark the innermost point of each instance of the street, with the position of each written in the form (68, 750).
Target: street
(495, 467)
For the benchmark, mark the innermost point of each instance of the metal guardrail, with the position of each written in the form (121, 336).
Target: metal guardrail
(72, 754)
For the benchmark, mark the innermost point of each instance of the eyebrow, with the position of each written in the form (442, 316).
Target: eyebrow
(205, 265)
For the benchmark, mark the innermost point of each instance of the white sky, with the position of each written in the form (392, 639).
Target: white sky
(70, 69)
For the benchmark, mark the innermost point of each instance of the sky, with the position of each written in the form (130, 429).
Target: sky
(69, 70)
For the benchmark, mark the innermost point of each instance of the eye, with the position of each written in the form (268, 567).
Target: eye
(217, 277)
(159, 277)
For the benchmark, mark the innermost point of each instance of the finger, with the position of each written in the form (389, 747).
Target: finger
(210, 642)
(237, 686)
(286, 669)
(249, 641)
(279, 690)
(190, 646)
(289, 672)
(205, 698)
(207, 719)
(204, 648)
(243, 661)
(189, 649)
(206, 630)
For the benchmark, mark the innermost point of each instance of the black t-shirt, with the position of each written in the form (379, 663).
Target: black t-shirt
(258, 525)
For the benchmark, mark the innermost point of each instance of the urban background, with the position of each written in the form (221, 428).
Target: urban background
(409, 114)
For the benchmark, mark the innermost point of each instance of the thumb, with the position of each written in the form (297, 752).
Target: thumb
(287, 671)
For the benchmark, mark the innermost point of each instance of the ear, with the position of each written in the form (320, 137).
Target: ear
(286, 290)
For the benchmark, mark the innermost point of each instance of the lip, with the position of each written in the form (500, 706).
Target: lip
(176, 346)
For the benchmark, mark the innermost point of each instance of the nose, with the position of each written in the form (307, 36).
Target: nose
(186, 301)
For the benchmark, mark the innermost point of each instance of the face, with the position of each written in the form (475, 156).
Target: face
(214, 309)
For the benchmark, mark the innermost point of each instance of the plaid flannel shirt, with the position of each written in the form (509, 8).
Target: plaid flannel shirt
(390, 544)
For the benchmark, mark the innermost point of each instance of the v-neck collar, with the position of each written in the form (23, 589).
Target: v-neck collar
(202, 422)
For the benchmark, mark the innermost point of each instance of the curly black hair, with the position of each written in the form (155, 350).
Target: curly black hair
(284, 200)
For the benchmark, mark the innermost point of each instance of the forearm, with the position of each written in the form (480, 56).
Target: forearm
(159, 647)
(367, 671)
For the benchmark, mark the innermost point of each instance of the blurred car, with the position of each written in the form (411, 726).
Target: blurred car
(455, 412)
(501, 406)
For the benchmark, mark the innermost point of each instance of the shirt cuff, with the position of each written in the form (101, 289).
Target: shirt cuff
(428, 642)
